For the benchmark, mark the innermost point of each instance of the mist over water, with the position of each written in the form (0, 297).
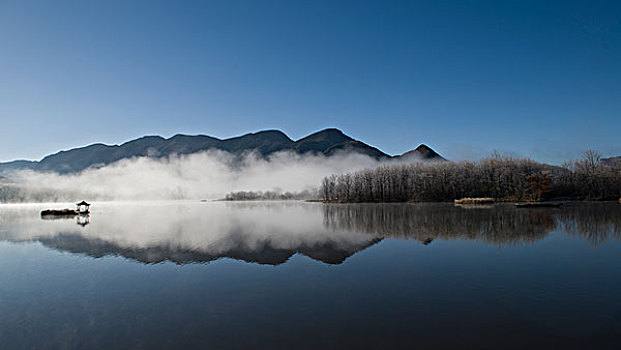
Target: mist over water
(203, 175)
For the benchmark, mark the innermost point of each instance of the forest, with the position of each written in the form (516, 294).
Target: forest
(500, 177)
(270, 195)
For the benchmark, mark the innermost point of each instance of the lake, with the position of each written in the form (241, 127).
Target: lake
(283, 275)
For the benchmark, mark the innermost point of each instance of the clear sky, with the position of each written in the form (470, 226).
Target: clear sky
(528, 78)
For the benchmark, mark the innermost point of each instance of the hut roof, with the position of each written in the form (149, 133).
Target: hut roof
(82, 203)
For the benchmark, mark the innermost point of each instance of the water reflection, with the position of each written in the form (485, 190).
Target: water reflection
(271, 233)
(80, 220)
(557, 294)
(499, 225)
(83, 220)
(181, 232)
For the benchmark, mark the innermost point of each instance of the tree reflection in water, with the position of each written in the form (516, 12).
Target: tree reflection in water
(498, 224)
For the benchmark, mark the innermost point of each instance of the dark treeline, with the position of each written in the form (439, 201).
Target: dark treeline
(270, 195)
(500, 225)
(499, 177)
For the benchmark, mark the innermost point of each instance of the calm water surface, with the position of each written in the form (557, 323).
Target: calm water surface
(181, 275)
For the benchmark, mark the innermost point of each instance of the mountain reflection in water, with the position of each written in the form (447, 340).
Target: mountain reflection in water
(272, 232)
(183, 232)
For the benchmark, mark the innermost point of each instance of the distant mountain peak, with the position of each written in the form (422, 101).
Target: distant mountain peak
(273, 134)
(422, 152)
(332, 141)
(332, 134)
(423, 147)
(149, 137)
(270, 132)
(332, 131)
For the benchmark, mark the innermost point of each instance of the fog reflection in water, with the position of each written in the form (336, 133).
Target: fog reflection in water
(185, 232)
(272, 232)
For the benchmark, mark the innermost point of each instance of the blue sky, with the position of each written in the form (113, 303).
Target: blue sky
(539, 79)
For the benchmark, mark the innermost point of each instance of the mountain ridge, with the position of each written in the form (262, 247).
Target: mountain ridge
(328, 142)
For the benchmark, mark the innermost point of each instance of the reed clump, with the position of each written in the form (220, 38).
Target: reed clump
(475, 201)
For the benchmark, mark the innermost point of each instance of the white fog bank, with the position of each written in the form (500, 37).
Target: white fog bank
(204, 175)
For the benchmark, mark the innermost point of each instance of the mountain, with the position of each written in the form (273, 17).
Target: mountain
(18, 165)
(330, 141)
(423, 152)
(611, 161)
(327, 142)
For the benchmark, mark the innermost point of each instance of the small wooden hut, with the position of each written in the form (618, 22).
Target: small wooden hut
(82, 207)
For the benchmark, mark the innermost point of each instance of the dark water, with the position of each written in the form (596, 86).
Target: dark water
(178, 275)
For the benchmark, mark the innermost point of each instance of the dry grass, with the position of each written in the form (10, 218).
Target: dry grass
(474, 201)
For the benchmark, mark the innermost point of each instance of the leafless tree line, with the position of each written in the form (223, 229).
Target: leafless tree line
(499, 177)
(270, 195)
(589, 178)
